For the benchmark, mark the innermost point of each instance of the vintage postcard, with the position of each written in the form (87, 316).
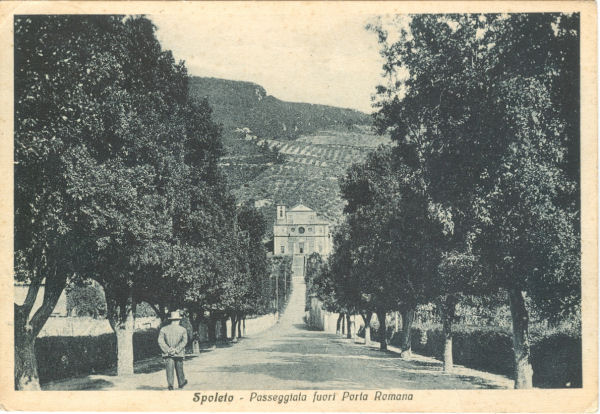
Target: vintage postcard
(299, 206)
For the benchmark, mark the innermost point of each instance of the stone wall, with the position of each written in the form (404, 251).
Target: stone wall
(319, 319)
(86, 326)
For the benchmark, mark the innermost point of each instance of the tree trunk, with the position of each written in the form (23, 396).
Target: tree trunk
(239, 326)
(448, 360)
(382, 331)
(350, 327)
(212, 329)
(195, 321)
(343, 330)
(224, 329)
(244, 326)
(448, 314)
(125, 348)
(338, 325)
(367, 318)
(120, 308)
(196, 347)
(124, 330)
(367, 335)
(520, 323)
(233, 326)
(26, 374)
(408, 315)
(27, 329)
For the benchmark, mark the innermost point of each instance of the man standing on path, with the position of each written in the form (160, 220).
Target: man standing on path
(172, 340)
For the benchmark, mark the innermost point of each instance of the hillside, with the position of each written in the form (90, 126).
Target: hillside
(309, 172)
(284, 152)
(238, 104)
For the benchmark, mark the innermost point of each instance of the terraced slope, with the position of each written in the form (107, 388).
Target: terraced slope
(310, 171)
(247, 106)
(317, 144)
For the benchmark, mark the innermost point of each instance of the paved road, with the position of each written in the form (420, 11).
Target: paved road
(288, 356)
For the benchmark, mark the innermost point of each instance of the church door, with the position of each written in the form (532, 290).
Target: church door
(301, 247)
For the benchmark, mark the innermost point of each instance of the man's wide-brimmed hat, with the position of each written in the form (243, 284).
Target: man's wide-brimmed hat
(174, 316)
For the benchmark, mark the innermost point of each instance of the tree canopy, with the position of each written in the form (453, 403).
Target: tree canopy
(479, 193)
(474, 109)
(475, 105)
(116, 180)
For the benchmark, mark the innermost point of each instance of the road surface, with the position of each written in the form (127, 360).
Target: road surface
(288, 356)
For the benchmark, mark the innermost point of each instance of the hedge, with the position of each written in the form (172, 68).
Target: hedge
(556, 358)
(556, 361)
(67, 356)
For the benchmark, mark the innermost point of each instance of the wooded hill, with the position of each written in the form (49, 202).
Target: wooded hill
(238, 104)
(285, 152)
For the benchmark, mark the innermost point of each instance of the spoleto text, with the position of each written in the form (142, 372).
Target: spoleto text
(308, 397)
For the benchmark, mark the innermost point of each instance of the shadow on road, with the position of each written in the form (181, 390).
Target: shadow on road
(157, 364)
(300, 371)
(479, 382)
(151, 366)
(337, 371)
(320, 360)
(150, 388)
(84, 384)
(96, 384)
(304, 344)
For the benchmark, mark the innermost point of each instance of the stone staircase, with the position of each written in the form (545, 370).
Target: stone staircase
(298, 267)
(294, 312)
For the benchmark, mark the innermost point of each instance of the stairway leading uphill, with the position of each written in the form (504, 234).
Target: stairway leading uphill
(294, 312)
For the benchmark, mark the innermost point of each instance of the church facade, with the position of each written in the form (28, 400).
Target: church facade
(299, 231)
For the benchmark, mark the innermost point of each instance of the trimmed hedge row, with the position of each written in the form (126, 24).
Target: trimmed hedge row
(61, 357)
(556, 362)
(556, 359)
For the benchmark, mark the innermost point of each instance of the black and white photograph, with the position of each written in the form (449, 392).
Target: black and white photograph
(284, 205)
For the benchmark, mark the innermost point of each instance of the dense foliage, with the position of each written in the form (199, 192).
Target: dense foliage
(489, 136)
(85, 300)
(479, 195)
(116, 180)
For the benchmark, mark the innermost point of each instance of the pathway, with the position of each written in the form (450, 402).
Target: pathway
(288, 356)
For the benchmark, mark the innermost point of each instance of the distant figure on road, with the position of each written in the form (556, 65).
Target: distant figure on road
(172, 340)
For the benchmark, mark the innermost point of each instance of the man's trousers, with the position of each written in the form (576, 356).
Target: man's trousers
(174, 363)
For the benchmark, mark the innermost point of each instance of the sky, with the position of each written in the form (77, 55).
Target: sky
(296, 56)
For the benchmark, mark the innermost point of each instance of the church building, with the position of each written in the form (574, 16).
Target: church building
(299, 231)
